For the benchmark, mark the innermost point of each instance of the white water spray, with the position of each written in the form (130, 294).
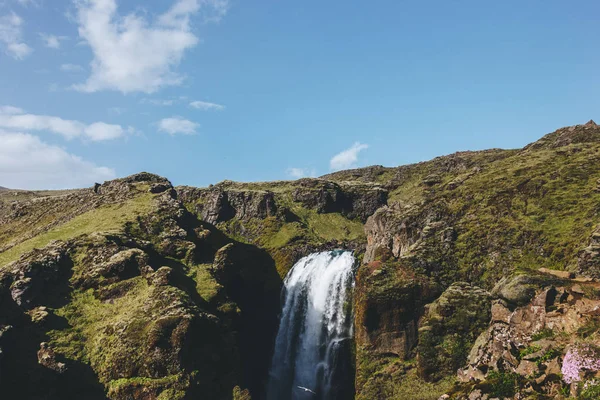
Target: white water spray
(312, 349)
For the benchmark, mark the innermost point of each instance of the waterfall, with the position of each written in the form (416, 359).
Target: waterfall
(313, 348)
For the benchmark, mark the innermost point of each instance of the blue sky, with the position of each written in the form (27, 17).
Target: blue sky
(205, 90)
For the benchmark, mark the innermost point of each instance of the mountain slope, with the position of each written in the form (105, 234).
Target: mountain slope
(137, 290)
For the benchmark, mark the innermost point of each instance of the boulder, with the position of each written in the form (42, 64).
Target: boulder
(47, 358)
(449, 327)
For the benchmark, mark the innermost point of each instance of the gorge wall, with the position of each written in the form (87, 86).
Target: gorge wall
(138, 290)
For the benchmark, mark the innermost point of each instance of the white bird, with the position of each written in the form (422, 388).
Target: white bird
(306, 389)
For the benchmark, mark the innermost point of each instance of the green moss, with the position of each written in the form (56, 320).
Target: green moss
(171, 394)
(104, 219)
(142, 381)
(590, 328)
(206, 285)
(548, 355)
(241, 394)
(590, 391)
(543, 334)
(283, 236)
(388, 377)
(529, 350)
(334, 226)
(91, 337)
(501, 384)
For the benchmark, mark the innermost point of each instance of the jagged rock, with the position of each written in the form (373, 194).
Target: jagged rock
(124, 264)
(404, 233)
(109, 261)
(47, 358)
(586, 133)
(160, 187)
(553, 367)
(432, 179)
(218, 204)
(38, 314)
(37, 275)
(160, 277)
(478, 395)
(519, 289)
(500, 312)
(527, 368)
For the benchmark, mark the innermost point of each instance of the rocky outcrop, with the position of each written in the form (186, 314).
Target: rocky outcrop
(388, 301)
(135, 314)
(351, 200)
(449, 327)
(420, 237)
(38, 278)
(217, 204)
(576, 134)
(228, 200)
(526, 345)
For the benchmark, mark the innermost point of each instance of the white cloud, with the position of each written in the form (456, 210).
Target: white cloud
(15, 118)
(26, 162)
(11, 34)
(71, 68)
(297, 173)
(132, 54)
(348, 157)
(10, 110)
(206, 106)
(99, 131)
(177, 125)
(52, 41)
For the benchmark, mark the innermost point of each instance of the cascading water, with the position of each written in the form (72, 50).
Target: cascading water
(313, 349)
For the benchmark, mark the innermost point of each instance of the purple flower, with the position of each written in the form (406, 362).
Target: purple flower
(577, 359)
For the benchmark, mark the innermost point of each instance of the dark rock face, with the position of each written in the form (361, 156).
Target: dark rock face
(352, 201)
(387, 317)
(216, 205)
(250, 279)
(36, 274)
(223, 202)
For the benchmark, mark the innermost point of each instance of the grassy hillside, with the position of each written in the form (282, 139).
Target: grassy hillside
(97, 274)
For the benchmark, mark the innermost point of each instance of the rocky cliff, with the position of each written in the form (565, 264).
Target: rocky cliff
(135, 289)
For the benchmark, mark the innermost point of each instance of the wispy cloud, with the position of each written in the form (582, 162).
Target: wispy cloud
(26, 162)
(297, 173)
(347, 158)
(11, 36)
(206, 106)
(177, 125)
(10, 110)
(15, 118)
(132, 54)
(52, 41)
(71, 68)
